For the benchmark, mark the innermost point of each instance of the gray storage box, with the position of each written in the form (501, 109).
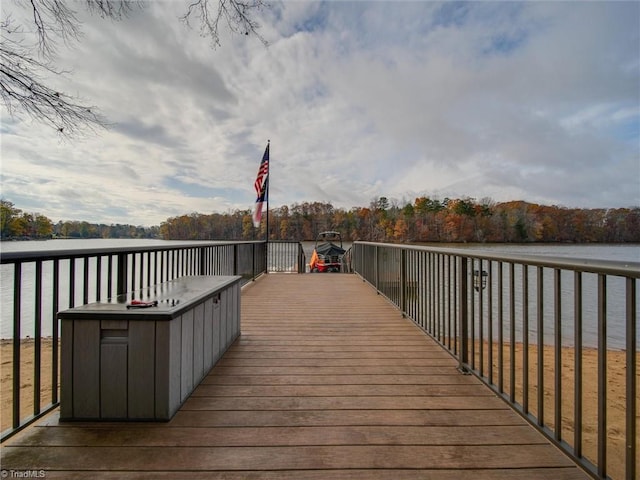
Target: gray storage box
(143, 363)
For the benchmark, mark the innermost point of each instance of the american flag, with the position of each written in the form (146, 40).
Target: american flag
(261, 187)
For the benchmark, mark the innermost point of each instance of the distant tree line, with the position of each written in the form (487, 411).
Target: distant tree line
(16, 224)
(423, 220)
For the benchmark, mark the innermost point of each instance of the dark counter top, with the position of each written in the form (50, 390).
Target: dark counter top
(173, 298)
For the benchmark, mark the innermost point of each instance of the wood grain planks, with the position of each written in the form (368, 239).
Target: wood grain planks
(327, 381)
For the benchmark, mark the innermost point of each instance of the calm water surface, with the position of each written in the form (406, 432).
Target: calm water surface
(615, 298)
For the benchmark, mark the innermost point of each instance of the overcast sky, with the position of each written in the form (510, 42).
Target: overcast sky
(535, 101)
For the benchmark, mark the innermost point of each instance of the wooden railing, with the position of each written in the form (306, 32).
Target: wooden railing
(46, 282)
(528, 326)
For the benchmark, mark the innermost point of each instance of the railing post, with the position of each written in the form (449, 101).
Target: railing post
(301, 265)
(602, 376)
(463, 294)
(17, 303)
(376, 270)
(201, 266)
(121, 284)
(253, 261)
(235, 259)
(632, 388)
(403, 282)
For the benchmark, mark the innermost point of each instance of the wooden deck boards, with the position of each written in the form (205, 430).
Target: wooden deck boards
(327, 381)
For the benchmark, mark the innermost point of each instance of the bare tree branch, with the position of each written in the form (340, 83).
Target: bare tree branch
(239, 16)
(24, 68)
(23, 90)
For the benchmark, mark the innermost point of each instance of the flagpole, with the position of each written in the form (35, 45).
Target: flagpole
(268, 174)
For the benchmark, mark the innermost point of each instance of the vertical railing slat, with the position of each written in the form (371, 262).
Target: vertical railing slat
(631, 439)
(37, 336)
(540, 327)
(512, 332)
(17, 304)
(463, 295)
(577, 379)
(602, 376)
(525, 339)
(557, 353)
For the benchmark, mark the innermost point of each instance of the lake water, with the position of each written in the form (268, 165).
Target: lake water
(615, 297)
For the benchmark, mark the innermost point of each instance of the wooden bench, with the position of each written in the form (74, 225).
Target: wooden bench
(123, 363)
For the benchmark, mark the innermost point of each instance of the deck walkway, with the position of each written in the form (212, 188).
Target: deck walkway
(327, 381)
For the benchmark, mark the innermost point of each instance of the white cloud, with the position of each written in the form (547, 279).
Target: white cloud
(526, 100)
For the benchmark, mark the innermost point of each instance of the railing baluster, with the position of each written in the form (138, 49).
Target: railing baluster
(72, 282)
(463, 283)
(17, 303)
(631, 440)
(110, 276)
(133, 271)
(602, 375)
(455, 323)
(540, 326)
(54, 328)
(37, 359)
(472, 316)
(141, 280)
(451, 324)
(440, 298)
(148, 256)
(500, 328)
(403, 282)
(525, 339)
(490, 320)
(98, 278)
(557, 354)
(512, 332)
(85, 280)
(122, 273)
(480, 291)
(577, 379)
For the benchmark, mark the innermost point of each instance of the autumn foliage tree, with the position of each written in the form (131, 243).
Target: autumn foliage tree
(14, 223)
(422, 221)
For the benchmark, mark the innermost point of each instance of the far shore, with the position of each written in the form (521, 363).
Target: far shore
(616, 393)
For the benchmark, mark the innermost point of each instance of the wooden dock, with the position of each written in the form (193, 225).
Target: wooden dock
(327, 381)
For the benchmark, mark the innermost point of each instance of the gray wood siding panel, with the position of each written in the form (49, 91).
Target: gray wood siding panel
(236, 311)
(175, 367)
(163, 369)
(216, 332)
(152, 362)
(113, 379)
(208, 335)
(198, 344)
(186, 364)
(66, 369)
(141, 369)
(223, 322)
(86, 369)
(114, 324)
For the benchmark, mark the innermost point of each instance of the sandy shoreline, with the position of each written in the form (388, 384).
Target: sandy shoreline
(27, 362)
(616, 393)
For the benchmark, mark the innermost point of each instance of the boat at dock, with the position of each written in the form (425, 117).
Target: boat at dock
(328, 252)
